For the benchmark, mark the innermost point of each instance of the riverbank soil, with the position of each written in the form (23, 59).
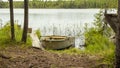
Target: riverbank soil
(16, 57)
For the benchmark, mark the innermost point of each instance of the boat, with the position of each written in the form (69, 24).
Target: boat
(57, 42)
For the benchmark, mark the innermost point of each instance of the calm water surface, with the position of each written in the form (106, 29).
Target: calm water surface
(68, 22)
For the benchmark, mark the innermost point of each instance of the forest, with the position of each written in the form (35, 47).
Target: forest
(64, 4)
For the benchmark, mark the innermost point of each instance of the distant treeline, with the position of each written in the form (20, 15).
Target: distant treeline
(65, 4)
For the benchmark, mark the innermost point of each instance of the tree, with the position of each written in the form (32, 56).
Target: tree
(114, 21)
(117, 52)
(25, 29)
(12, 20)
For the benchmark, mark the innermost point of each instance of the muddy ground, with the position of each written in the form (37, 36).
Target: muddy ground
(16, 57)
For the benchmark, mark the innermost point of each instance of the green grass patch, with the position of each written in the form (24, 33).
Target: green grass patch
(38, 33)
(5, 37)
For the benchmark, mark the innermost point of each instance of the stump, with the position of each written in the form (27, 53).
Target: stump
(29, 30)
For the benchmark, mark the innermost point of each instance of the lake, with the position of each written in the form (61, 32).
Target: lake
(69, 22)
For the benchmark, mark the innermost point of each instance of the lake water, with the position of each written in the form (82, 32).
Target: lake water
(69, 22)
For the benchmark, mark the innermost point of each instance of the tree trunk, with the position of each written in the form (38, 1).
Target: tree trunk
(25, 29)
(117, 53)
(12, 20)
(112, 20)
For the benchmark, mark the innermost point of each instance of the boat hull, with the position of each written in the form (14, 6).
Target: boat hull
(59, 43)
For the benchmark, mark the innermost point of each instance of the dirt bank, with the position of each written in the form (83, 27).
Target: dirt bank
(15, 57)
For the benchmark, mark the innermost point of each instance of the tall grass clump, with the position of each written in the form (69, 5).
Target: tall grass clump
(5, 36)
(38, 33)
(98, 40)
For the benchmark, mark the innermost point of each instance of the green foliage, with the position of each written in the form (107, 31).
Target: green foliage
(64, 4)
(100, 45)
(100, 31)
(97, 40)
(38, 33)
(109, 57)
(5, 35)
(4, 4)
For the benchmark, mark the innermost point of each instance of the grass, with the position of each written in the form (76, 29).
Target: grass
(5, 37)
(38, 33)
